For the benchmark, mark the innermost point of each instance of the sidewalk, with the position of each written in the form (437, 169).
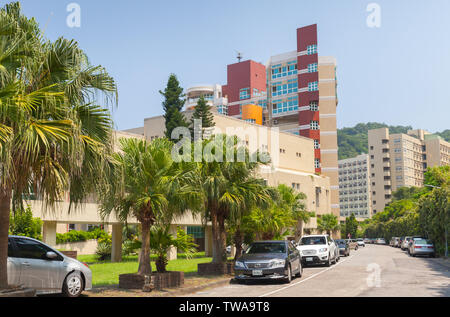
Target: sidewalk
(192, 285)
(443, 261)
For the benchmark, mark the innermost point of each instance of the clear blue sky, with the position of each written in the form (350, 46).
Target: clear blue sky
(398, 74)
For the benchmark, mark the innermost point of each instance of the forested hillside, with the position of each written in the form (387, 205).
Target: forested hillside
(353, 141)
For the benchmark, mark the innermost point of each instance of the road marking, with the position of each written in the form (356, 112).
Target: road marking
(312, 276)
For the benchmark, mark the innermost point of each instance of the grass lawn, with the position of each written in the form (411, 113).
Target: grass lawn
(107, 273)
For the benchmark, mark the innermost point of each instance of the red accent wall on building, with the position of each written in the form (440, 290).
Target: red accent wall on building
(247, 74)
(308, 36)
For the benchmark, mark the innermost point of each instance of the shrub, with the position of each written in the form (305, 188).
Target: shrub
(22, 223)
(103, 251)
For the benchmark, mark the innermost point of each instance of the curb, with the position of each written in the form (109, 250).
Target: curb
(190, 290)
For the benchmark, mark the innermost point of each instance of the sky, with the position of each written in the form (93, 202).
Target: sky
(397, 73)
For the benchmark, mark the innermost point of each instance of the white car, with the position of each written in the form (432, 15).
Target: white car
(317, 249)
(361, 243)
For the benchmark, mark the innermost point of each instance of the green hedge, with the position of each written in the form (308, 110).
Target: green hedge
(80, 236)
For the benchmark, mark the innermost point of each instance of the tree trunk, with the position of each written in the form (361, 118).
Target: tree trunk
(238, 243)
(5, 206)
(299, 230)
(145, 267)
(219, 238)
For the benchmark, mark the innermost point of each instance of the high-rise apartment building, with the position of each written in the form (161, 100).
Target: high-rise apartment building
(400, 160)
(355, 195)
(295, 92)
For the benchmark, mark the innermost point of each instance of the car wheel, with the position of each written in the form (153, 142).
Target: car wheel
(289, 275)
(73, 285)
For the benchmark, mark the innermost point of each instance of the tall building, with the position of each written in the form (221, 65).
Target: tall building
(355, 195)
(400, 160)
(295, 92)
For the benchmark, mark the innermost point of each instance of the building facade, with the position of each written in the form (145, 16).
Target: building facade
(295, 92)
(355, 195)
(400, 160)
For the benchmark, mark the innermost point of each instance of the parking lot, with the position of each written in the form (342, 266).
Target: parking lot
(375, 270)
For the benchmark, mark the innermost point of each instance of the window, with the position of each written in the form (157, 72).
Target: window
(196, 232)
(317, 163)
(280, 88)
(287, 105)
(10, 249)
(29, 249)
(315, 125)
(314, 106)
(312, 49)
(312, 68)
(316, 144)
(314, 86)
(244, 93)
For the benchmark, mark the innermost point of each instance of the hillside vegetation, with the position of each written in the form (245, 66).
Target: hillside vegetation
(353, 141)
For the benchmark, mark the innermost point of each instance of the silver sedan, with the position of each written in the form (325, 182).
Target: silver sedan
(421, 247)
(35, 265)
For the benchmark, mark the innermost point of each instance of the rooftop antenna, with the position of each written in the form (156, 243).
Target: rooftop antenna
(239, 56)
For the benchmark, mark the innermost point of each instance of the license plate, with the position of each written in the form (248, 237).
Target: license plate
(309, 259)
(257, 273)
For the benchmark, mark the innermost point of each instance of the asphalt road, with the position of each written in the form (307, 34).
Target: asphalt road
(369, 272)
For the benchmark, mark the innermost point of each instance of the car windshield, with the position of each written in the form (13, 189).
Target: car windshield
(313, 241)
(267, 247)
(341, 242)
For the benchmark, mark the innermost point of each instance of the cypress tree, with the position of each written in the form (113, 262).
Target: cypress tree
(202, 112)
(173, 105)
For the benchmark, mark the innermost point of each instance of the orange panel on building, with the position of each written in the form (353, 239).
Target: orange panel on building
(253, 112)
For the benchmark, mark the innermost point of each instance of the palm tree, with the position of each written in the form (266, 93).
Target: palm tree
(147, 184)
(228, 187)
(54, 139)
(161, 241)
(294, 204)
(328, 223)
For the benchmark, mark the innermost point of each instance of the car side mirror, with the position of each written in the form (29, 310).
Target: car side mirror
(51, 255)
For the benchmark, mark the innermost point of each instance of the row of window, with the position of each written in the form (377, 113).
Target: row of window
(279, 71)
(279, 89)
(290, 104)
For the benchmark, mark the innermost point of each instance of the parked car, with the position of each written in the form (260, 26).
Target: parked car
(353, 244)
(400, 241)
(405, 243)
(317, 249)
(269, 260)
(412, 240)
(36, 265)
(381, 241)
(396, 242)
(338, 254)
(422, 247)
(344, 247)
(367, 241)
(361, 243)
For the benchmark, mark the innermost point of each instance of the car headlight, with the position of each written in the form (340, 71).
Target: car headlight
(239, 264)
(323, 250)
(277, 263)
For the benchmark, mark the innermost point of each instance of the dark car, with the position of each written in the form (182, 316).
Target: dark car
(344, 247)
(269, 260)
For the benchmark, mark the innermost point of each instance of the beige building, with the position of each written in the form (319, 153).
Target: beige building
(292, 158)
(400, 160)
(355, 195)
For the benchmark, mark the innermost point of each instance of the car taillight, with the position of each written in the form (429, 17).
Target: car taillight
(417, 247)
(430, 247)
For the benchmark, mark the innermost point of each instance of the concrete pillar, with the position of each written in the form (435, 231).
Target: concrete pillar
(208, 241)
(233, 251)
(172, 253)
(49, 233)
(116, 250)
